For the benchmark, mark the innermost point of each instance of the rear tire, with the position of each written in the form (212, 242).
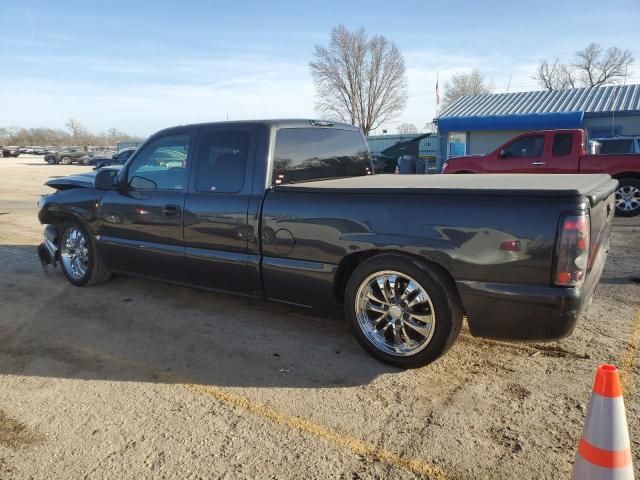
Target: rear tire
(411, 325)
(65, 160)
(79, 257)
(628, 197)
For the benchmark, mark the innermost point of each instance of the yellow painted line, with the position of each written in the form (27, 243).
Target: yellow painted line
(291, 421)
(627, 365)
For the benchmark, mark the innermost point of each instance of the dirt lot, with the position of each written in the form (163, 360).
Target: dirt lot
(139, 379)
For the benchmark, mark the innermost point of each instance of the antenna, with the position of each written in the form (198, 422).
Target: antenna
(509, 84)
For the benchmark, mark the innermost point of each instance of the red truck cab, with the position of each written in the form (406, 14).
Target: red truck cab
(558, 151)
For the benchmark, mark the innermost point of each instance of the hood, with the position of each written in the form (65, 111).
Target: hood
(80, 180)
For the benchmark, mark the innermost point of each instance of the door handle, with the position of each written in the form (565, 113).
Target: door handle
(171, 211)
(538, 163)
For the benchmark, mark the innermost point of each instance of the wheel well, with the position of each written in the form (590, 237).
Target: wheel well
(634, 175)
(348, 264)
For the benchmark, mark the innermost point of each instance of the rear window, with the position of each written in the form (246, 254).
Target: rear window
(305, 154)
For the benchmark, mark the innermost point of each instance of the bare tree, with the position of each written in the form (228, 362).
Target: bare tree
(49, 137)
(430, 127)
(555, 76)
(463, 84)
(359, 79)
(407, 128)
(78, 131)
(592, 67)
(597, 66)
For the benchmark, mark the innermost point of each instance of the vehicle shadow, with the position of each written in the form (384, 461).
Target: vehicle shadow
(143, 330)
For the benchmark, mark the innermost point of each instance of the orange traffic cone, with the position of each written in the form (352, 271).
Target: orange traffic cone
(604, 451)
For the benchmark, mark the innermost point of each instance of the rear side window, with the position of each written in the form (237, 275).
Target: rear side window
(305, 154)
(221, 161)
(562, 143)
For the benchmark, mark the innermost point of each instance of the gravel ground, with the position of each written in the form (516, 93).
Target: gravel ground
(141, 379)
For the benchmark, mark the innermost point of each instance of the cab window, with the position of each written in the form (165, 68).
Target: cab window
(531, 146)
(221, 161)
(307, 154)
(562, 143)
(161, 164)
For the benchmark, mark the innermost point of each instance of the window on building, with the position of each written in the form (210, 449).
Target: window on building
(457, 144)
(304, 154)
(530, 146)
(562, 144)
(221, 161)
(616, 147)
(601, 132)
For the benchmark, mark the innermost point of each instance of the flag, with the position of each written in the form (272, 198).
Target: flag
(437, 92)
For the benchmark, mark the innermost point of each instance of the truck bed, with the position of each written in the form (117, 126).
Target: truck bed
(542, 185)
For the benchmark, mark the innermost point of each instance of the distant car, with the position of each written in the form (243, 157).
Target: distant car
(8, 152)
(67, 156)
(119, 158)
(618, 145)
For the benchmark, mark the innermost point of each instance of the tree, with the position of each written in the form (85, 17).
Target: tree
(463, 84)
(556, 76)
(430, 127)
(359, 79)
(597, 66)
(407, 128)
(78, 131)
(592, 67)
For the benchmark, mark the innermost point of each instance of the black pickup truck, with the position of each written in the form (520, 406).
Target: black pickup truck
(291, 211)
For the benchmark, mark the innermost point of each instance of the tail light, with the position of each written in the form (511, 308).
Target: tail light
(572, 250)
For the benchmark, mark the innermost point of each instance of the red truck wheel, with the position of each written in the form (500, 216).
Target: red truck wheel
(628, 197)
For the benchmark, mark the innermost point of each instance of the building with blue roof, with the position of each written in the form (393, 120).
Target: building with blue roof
(479, 124)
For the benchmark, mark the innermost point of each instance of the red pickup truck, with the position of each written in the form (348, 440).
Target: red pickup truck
(558, 151)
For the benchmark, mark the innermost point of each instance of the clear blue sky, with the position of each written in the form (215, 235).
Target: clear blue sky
(141, 66)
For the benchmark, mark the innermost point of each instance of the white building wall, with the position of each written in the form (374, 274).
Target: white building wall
(482, 142)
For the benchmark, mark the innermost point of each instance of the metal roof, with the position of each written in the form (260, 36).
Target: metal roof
(614, 98)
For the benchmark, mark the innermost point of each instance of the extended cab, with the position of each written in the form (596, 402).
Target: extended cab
(290, 211)
(558, 151)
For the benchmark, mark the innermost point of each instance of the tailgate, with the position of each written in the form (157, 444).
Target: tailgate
(602, 211)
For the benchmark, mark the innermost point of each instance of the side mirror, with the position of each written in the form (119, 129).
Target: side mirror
(105, 180)
(114, 156)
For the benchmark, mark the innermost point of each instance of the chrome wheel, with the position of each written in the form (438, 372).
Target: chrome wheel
(627, 198)
(395, 313)
(75, 253)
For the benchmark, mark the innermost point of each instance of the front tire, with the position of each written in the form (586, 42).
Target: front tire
(403, 312)
(628, 197)
(79, 258)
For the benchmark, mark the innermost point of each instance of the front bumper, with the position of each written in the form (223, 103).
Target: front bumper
(522, 312)
(48, 250)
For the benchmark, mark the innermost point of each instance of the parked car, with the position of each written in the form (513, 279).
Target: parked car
(618, 145)
(9, 151)
(288, 210)
(558, 151)
(67, 156)
(119, 158)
